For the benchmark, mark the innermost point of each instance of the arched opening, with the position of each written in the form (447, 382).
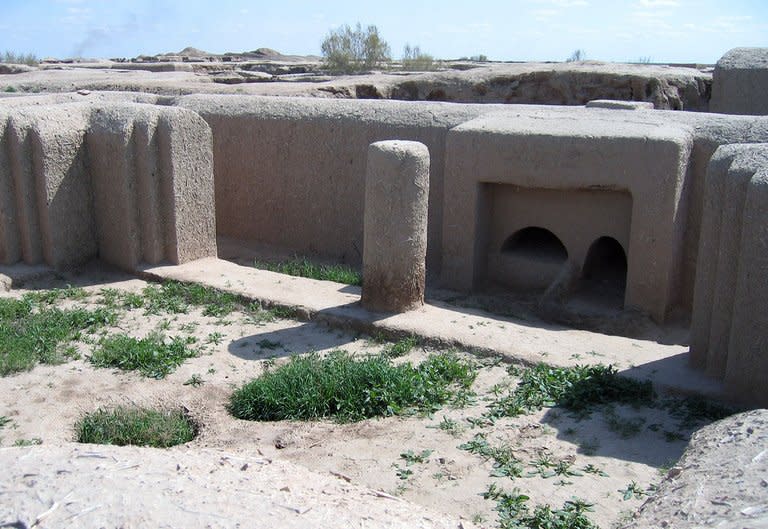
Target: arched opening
(537, 244)
(529, 260)
(604, 273)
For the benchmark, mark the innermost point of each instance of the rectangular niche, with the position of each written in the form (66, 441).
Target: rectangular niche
(532, 232)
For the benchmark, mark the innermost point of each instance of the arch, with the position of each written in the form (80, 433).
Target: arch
(535, 243)
(606, 261)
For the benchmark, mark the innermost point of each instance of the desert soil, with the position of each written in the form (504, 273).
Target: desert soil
(43, 405)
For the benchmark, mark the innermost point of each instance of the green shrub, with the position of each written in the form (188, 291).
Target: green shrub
(416, 61)
(577, 56)
(347, 51)
(311, 387)
(11, 57)
(123, 426)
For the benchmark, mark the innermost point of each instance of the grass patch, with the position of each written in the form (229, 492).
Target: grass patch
(578, 389)
(175, 298)
(123, 426)
(153, 356)
(303, 267)
(32, 332)
(693, 411)
(312, 387)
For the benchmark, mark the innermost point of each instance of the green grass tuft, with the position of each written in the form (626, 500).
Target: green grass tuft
(123, 426)
(31, 332)
(303, 267)
(578, 389)
(152, 356)
(310, 387)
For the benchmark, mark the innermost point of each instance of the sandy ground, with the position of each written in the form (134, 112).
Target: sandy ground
(44, 403)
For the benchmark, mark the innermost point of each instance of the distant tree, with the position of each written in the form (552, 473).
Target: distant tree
(19, 58)
(415, 60)
(577, 55)
(346, 50)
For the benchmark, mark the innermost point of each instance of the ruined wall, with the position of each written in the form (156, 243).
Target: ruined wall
(84, 176)
(125, 182)
(290, 172)
(728, 337)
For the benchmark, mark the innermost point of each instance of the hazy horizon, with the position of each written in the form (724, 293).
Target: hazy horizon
(669, 31)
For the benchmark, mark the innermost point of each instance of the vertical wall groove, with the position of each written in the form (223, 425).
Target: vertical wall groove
(10, 249)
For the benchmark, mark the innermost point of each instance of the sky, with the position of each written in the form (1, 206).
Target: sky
(672, 31)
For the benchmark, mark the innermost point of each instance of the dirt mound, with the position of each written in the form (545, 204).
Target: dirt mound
(721, 480)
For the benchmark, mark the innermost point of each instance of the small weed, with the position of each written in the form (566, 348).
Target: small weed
(693, 411)
(195, 381)
(514, 512)
(188, 328)
(401, 347)
(28, 442)
(151, 356)
(632, 491)
(4, 421)
(412, 458)
(132, 300)
(303, 267)
(310, 387)
(450, 426)
(589, 447)
(547, 468)
(402, 472)
(592, 469)
(463, 398)
(123, 426)
(478, 519)
(624, 427)
(505, 464)
(214, 338)
(49, 297)
(479, 422)
(268, 344)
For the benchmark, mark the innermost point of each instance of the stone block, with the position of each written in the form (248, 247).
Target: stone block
(740, 82)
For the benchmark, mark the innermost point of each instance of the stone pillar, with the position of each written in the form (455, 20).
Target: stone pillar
(395, 225)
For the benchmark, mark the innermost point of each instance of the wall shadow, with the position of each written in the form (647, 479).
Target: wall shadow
(282, 343)
(656, 433)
